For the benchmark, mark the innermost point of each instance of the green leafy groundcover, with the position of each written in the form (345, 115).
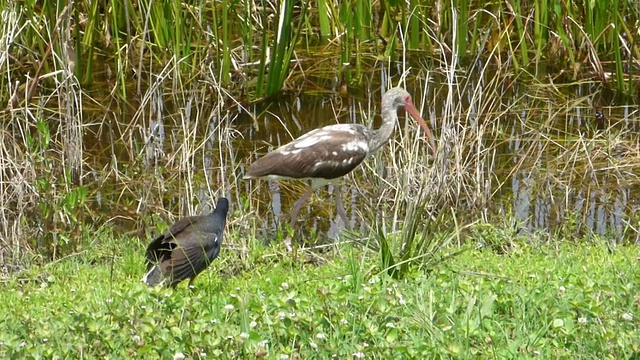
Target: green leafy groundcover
(571, 301)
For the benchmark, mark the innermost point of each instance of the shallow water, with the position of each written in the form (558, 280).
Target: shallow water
(553, 161)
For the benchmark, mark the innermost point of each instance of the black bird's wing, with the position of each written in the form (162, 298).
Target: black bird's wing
(161, 247)
(194, 255)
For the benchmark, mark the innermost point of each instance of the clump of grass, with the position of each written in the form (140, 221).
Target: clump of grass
(44, 199)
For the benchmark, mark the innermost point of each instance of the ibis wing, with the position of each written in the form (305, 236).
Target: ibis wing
(326, 153)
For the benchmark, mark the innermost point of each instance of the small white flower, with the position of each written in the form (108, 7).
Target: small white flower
(109, 300)
(402, 302)
(391, 325)
(135, 338)
(281, 315)
(73, 290)
(27, 298)
(627, 317)
(284, 357)
(533, 276)
(143, 307)
(267, 279)
(285, 286)
(344, 322)
(372, 281)
(292, 314)
(203, 354)
(253, 324)
(321, 336)
(167, 294)
(263, 343)
(178, 356)
(229, 337)
(238, 289)
(536, 352)
(214, 321)
(358, 355)
(244, 335)
(45, 340)
(366, 344)
(582, 320)
(561, 289)
(229, 307)
(313, 345)
(360, 297)
(233, 296)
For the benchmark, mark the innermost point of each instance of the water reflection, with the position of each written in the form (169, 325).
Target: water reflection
(585, 194)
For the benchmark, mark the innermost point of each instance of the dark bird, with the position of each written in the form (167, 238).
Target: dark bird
(187, 248)
(328, 153)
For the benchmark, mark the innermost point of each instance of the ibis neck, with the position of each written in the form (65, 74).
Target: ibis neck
(383, 133)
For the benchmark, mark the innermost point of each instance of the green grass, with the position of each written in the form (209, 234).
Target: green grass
(567, 301)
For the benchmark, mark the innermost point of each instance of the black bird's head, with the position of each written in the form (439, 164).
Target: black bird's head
(222, 207)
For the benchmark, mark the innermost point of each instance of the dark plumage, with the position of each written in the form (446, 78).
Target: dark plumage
(187, 248)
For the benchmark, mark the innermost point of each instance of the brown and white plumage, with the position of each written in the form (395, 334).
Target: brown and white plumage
(333, 151)
(186, 248)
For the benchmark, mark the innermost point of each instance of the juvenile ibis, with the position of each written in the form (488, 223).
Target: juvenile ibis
(186, 248)
(328, 153)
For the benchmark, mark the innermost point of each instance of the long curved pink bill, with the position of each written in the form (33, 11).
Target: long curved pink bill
(416, 115)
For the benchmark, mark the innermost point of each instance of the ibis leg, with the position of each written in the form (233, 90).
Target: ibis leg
(298, 205)
(341, 211)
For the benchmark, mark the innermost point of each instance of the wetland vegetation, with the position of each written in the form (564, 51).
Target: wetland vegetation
(517, 238)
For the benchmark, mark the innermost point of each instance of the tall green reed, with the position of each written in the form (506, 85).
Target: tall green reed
(150, 32)
(540, 27)
(274, 70)
(324, 17)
